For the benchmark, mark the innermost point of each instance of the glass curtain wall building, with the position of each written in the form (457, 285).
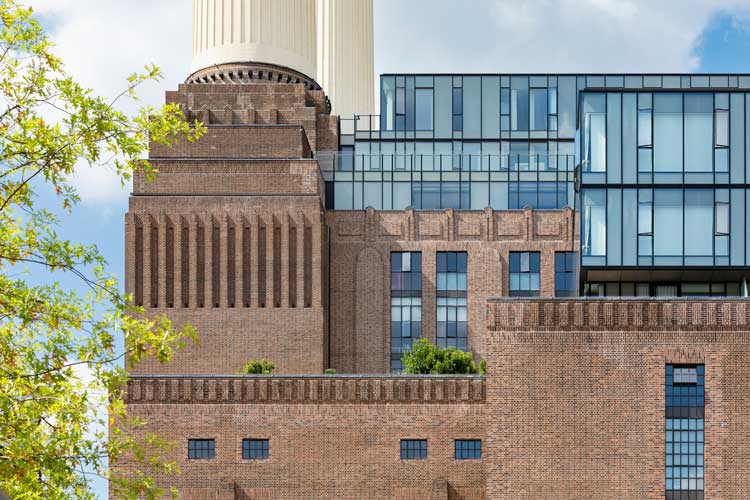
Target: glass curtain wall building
(662, 165)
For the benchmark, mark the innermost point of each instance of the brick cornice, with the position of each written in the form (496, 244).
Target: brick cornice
(630, 317)
(305, 390)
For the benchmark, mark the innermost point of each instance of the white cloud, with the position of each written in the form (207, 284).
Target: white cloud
(104, 41)
(544, 35)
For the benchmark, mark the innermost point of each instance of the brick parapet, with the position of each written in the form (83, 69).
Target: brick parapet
(305, 390)
(631, 315)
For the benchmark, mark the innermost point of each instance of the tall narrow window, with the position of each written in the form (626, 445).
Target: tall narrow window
(424, 105)
(668, 132)
(505, 108)
(721, 223)
(458, 109)
(524, 274)
(595, 133)
(406, 304)
(539, 103)
(594, 234)
(685, 405)
(452, 321)
(721, 132)
(565, 274)
(645, 222)
(519, 103)
(645, 133)
(552, 108)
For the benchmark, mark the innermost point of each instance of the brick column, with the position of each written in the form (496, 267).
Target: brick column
(317, 263)
(208, 266)
(148, 301)
(285, 277)
(162, 256)
(193, 261)
(239, 269)
(177, 252)
(224, 262)
(270, 285)
(254, 253)
(300, 298)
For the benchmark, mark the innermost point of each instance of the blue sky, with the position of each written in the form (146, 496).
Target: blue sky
(104, 40)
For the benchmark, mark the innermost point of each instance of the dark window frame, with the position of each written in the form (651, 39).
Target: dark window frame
(413, 449)
(201, 449)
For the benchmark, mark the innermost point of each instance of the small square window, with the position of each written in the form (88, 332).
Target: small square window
(201, 449)
(255, 449)
(413, 449)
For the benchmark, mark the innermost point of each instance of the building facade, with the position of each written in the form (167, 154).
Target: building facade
(583, 234)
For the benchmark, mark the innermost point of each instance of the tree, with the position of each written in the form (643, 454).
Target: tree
(255, 367)
(57, 345)
(426, 358)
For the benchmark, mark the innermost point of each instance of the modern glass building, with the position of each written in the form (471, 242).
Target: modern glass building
(656, 165)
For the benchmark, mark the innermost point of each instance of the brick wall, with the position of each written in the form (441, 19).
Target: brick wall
(575, 395)
(331, 437)
(361, 244)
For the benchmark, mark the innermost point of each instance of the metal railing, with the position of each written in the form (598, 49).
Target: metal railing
(352, 162)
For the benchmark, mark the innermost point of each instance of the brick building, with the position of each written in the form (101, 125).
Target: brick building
(539, 222)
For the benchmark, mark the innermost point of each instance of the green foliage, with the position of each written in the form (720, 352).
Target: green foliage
(483, 367)
(428, 359)
(255, 367)
(329, 371)
(59, 359)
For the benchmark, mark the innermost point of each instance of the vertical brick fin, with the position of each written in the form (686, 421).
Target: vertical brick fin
(138, 257)
(369, 309)
(283, 243)
(292, 259)
(162, 261)
(278, 259)
(170, 271)
(192, 274)
(225, 282)
(238, 235)
(253, 256)
(153, 259)
(261, 264)
(271, 261)
(179, 260)
(300, 266)
(318, 263)
(216, 258)
(246, 256)
(308, 250)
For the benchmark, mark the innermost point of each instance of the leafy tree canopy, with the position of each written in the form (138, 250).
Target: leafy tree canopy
(426, 358)
(56, 344)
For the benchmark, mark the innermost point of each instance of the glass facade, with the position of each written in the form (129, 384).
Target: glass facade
(406, 304)
(685, 403)
(664, 178)
(452, 318)
(566, 277)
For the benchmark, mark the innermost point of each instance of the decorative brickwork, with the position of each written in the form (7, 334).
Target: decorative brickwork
(575, 398)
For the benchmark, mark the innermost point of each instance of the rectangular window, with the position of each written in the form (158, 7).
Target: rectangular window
(458, 109)
(595, 133)
(539, 109)
(413, 449)
(452, 319)
(565, 274)
(201, 449)
(594, 234)
(685, 404)
(424, 105)
(668, 220)
(698, 133)
(519, 103)
(468, 449)
(406, 304)
(524, 274)
(552, 108)
(668, 132)
(255, 449)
